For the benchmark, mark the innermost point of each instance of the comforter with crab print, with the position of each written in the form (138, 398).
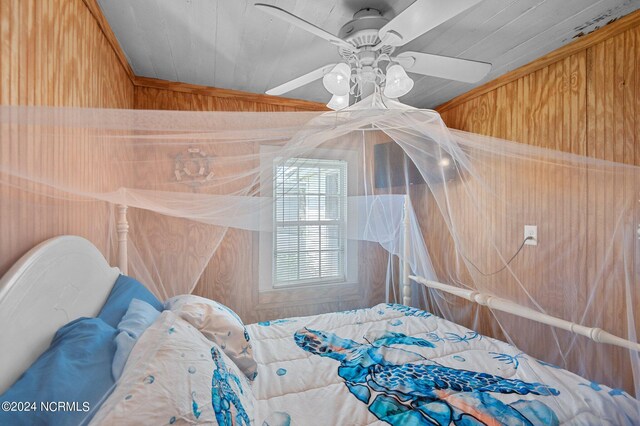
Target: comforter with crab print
(396, 365)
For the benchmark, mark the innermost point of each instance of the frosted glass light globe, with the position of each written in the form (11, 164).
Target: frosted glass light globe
(338, 102)
(337, 81)
(397, 82)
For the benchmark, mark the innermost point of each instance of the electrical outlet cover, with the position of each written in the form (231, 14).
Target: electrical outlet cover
(531, 231)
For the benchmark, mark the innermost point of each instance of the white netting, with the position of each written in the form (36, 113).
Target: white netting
(191, 178)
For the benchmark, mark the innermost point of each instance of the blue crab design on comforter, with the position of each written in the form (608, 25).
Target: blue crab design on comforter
(426, 393)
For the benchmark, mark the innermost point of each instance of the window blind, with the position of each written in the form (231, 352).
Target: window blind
(309, 221)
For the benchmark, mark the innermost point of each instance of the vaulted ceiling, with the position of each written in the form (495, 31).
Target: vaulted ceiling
(231, 44)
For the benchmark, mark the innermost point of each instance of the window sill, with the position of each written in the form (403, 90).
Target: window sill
(310, 294)
(316, 284)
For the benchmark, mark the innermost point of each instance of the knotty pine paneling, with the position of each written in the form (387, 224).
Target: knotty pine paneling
(54, 53)
(586, 103)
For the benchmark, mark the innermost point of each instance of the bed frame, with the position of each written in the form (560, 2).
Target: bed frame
(67, 277)
(57, 281)
(497, 303)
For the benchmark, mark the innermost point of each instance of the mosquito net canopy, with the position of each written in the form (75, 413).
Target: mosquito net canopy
(281, 214)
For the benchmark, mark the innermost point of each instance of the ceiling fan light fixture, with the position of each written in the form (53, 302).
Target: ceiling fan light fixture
(370, 38)
(397, 82)
(337, 81)
(338, 102)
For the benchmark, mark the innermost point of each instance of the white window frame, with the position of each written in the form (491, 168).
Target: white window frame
(269, 161)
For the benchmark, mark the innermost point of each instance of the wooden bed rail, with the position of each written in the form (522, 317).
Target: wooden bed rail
(594, 333)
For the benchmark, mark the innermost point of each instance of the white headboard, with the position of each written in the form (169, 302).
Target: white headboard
(60, 280)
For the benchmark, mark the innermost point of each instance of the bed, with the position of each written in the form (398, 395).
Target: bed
(389, 364)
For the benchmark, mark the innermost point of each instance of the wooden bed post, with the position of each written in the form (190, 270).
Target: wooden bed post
(406, 282)
(123, 230)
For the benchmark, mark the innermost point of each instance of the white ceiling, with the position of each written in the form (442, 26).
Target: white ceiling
(232, 45)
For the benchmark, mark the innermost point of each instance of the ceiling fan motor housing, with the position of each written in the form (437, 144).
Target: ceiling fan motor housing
(362, 30)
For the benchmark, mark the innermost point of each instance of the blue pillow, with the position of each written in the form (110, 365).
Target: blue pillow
(124, 346)
(123, 292)
(138, 318)
(140, 315)
(76, 369)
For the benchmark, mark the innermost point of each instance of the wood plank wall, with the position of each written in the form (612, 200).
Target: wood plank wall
(167, 99)
(53, 53)
(153, 93)
(583, 99)
(231, 276)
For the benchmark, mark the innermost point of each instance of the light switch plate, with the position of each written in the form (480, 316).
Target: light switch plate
(531, 231)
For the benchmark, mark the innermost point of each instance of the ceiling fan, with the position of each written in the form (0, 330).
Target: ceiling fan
(367, 45)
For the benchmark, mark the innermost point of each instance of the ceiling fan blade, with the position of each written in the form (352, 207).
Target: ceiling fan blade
(300, 81)
(301, 23)
(443, 66)
(420, 17)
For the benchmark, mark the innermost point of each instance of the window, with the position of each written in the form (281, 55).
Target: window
(306, 243)
(309, 238)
